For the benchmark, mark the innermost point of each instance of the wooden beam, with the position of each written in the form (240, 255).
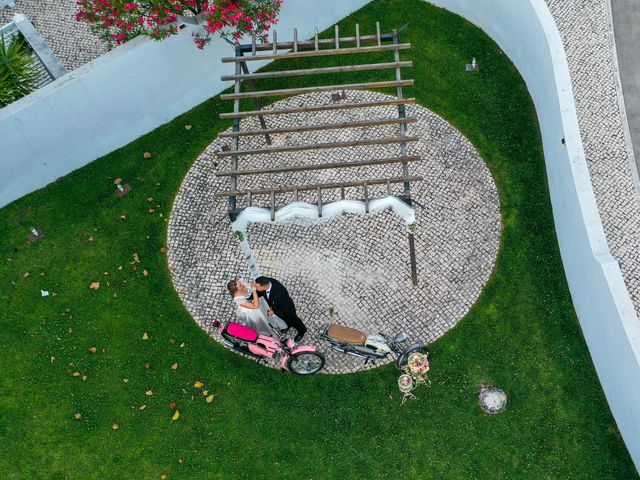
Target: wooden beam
(322, 166)
(318, 108)
(344, 41)
(324, 186)
(319, 71)
(322, 126)
(325, 52)
(318, 146)
(326, 88)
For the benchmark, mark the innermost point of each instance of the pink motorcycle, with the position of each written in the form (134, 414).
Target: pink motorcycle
(303, 359)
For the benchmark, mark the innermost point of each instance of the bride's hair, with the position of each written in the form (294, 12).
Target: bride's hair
(231, 286)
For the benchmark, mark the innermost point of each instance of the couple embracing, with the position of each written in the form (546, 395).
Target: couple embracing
(266, 306)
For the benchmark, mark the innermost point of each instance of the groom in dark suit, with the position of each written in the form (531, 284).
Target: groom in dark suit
(280, 304)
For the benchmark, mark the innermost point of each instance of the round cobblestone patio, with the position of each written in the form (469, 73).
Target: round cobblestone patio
(352, 270)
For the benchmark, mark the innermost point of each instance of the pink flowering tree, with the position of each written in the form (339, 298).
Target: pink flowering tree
(117, 21)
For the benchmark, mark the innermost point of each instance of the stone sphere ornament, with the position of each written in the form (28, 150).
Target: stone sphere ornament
(492, 400)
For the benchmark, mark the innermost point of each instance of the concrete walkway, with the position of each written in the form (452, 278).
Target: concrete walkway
(626, 26)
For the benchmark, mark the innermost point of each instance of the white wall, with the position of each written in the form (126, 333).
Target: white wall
(525, 30)
(122, 95)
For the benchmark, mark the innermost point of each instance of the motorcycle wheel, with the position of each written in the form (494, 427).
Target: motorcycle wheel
(306, 363)
(403, 359)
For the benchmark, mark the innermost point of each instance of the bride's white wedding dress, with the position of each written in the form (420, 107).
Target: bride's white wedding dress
(257, 318)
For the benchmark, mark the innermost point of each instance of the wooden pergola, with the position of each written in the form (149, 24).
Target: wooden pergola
(338, 46)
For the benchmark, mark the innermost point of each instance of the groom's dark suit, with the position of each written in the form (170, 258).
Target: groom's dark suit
(282, 305)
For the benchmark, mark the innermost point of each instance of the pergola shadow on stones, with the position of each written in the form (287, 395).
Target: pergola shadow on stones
(268, 194)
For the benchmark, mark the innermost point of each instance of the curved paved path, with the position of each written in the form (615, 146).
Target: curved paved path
(626, 26)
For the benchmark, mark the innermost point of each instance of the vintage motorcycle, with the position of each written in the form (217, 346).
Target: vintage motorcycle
(300, 359)
(370, 346)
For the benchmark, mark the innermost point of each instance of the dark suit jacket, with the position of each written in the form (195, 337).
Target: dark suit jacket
(279, 300)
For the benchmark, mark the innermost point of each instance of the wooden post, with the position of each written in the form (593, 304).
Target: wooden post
(405, 166)
(295, 194)
(317, 45)
(337, 38)
(253, 43)
(295, 39)
(249, 199)
(235, 142)
(412, 255)
(319, 201)
(366, 198)
(357, 35)
(401, 114)
(273, 205)
(378, 33)
(275, 42)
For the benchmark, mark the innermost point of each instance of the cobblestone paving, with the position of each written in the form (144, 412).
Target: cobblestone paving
(352, 270)
(583, 25)
(71, 41)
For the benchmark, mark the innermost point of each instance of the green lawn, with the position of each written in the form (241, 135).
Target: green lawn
(522, 335)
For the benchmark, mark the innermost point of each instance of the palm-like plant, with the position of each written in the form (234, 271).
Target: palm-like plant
(18, 75)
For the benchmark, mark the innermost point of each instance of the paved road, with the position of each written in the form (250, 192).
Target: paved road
(626, 25)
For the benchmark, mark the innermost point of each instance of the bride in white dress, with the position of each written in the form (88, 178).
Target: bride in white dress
(253, 313)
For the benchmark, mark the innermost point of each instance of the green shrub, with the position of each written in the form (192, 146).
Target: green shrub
(18, 74)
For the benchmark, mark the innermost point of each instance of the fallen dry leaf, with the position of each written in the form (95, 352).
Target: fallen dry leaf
(53, 359)
(149, 199)
(172, 405)
(149, 393)
(136, 258)
(115, 426)
(210, 398)
(145, 336)
(147, 365)
(145, 273)
(120, 267)
(164, 475)
(151, 210)
(187, 127)
(205, 392)
(25, 274)
(142, 407)
(117, 181)
(123, 217)
(182, 345)
(84, 378)
(125, 380)
(94, 285)
(172, 341)
(146, 155)
(77, 416)
(90, 239)
(198, 384)
(76, 374)
(174, 366)
(92, 349)
(176, 416)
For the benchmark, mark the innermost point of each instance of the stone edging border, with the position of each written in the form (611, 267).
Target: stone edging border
(620, 94)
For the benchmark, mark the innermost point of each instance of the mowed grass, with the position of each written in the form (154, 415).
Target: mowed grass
(522, 335)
